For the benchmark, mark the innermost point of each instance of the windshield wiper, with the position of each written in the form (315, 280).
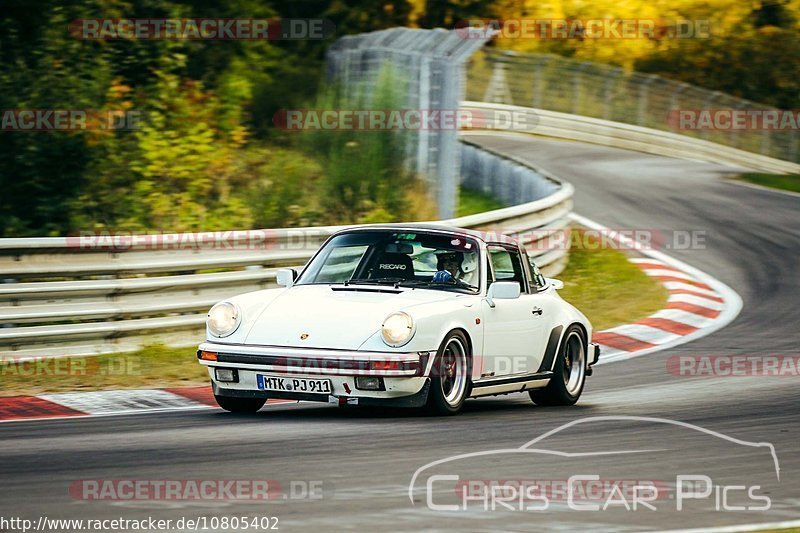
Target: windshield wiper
(374, 281)
(447, 284)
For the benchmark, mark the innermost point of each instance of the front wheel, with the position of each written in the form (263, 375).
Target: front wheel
(240, 405)
(451, 376)
(569, 372)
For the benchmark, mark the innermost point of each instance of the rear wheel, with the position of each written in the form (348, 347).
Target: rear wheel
(569, 372)
(450, 382)
(240, 405)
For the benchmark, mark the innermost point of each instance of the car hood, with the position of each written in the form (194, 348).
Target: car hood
(336, 317)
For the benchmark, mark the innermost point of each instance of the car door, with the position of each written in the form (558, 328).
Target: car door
(545, 303)
(513, 329)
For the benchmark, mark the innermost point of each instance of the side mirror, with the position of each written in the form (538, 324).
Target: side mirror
(502, 290)
(556, 283)
(286, 277)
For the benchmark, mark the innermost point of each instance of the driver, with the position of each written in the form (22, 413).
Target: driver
(449, 267)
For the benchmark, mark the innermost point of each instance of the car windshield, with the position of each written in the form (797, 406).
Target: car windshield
(397, 258)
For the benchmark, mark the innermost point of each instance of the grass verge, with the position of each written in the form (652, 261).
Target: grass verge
(786, 182)
(471, 202)
(607, 288)
(155, 366)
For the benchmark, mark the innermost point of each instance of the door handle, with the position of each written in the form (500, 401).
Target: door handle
(537, 311)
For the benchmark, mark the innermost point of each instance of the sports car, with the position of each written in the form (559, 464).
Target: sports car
(412, 315)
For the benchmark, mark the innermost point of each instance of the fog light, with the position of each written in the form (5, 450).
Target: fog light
(227, 375)
(369, 383)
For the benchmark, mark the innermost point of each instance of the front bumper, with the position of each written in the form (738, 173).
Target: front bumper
(417, 399)
(594, 356)
(404, 374)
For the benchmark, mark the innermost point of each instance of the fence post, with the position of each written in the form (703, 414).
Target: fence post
(641, 113)
(733, 136)
(539, 79)
(577, 88)
(610, 82)
(497, 91)
(707, 105)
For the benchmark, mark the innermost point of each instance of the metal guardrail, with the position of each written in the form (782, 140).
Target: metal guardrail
(74, 296)
(620, 135)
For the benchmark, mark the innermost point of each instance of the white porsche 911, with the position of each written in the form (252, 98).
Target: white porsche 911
(408, 315)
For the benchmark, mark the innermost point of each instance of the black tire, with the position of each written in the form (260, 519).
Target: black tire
(240, 405)
(450, 377)
(568, 379)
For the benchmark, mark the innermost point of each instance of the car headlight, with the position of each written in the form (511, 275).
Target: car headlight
(397, 329)
(223, 319)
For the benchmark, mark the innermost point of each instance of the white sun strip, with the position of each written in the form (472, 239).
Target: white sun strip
(671, 273)
(121, 401)
(645, 333)
(678, 285)
(695, 300)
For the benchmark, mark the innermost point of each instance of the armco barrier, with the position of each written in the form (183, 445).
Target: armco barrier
(67, 296)
(627, 136)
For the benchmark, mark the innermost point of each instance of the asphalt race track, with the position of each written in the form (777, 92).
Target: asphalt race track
(364, 460)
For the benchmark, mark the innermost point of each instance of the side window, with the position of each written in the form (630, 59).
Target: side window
(507, 266)
(537, 282)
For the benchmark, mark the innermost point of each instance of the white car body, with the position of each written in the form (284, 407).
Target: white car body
(334, 332)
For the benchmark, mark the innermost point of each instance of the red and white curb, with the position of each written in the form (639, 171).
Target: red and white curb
(691, 306)
(698, 304)
(107, 403)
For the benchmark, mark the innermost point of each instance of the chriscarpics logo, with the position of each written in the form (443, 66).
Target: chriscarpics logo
(605, 464)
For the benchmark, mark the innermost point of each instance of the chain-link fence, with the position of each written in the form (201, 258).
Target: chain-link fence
(556, 83)
(431, 63)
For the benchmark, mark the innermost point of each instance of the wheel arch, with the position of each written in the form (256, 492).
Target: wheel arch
(583, 331)
(470, 349)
